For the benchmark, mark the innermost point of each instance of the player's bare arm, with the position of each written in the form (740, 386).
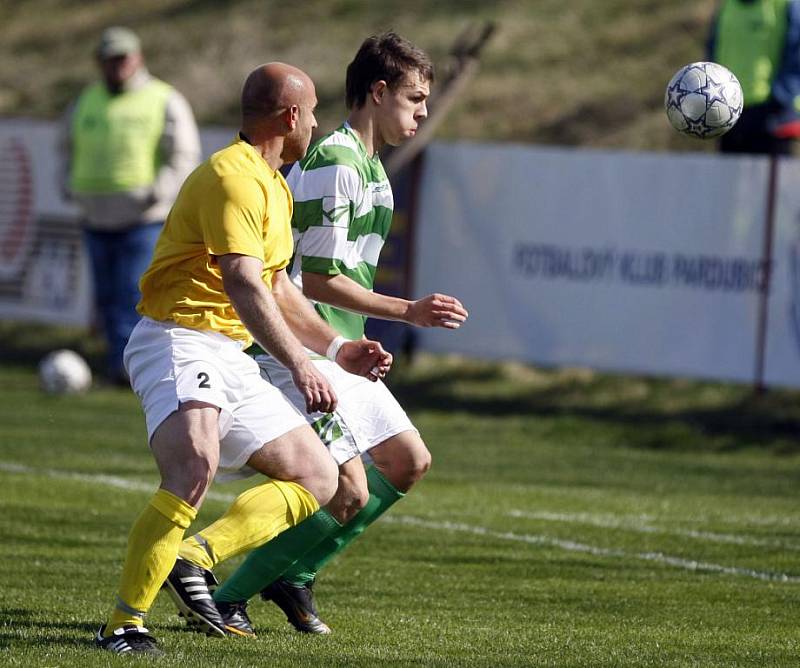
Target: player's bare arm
(436, 310)
(259, 312)
(363, 357)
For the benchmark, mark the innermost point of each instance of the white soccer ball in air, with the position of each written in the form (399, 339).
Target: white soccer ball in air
(64, 372)
(703, 100)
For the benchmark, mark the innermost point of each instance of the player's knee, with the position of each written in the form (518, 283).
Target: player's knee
(324, 480)
(404, 462)
(348, 512)
(417, 464)
(349, 499)
(186, 449)
(191, 479)
(357, 497)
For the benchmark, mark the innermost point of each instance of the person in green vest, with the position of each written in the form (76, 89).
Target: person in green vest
(127, 143)
(759, 41)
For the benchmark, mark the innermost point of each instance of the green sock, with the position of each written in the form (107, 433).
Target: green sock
(266, 563)
(382, 495)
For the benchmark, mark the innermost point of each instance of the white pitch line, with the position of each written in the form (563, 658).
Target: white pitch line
(532, 539)
(642, 527)
(572, 546)
(99, 478)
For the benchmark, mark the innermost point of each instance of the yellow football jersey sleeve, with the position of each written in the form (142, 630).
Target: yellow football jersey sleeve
(232, 203)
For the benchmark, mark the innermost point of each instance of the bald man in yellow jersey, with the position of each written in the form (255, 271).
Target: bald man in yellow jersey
(216, 282)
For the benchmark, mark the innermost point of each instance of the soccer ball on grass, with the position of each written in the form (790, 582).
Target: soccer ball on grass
(703, 100)
(64, 372)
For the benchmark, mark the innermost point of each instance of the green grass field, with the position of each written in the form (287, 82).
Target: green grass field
(570, 519)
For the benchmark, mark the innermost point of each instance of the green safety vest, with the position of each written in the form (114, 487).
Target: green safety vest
(750, 40)
(115, 138)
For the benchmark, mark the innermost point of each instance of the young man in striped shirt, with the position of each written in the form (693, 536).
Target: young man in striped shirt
(343, 211)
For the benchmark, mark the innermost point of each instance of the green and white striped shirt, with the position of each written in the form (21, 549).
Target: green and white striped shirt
(342, 213)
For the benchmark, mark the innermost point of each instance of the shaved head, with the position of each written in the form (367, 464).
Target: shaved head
(273, 87)
(278, 102)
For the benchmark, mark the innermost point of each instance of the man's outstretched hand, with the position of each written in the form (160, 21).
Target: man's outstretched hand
(436, 310)
(364, 358)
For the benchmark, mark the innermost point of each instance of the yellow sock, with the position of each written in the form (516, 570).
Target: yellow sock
(152, 547)
(256, 516)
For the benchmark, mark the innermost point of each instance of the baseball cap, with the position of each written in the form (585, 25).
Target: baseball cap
(117, 41)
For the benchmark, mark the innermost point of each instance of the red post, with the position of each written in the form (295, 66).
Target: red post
(764, 291)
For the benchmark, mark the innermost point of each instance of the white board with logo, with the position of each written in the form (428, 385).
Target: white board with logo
(43, 272)
(632, 262)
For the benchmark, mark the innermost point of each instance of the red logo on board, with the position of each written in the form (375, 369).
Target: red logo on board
(16, 207)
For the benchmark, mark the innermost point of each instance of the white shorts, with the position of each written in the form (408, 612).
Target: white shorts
(366, 414)
(169, 365)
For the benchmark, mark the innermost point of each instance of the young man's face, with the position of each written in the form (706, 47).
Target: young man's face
(402, 108)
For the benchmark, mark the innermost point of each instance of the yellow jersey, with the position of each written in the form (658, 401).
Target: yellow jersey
(232, 203)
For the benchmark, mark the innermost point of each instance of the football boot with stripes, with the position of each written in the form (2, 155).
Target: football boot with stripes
(190, 585)
(128, 639)
(297, 603)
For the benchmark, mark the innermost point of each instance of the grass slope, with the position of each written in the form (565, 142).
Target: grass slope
(571, 519)
(575, 73)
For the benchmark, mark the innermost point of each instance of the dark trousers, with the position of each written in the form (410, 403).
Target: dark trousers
(751, 134)
(118, 259)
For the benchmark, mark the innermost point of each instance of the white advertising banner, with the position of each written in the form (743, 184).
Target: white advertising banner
(633, 262)
(44, 274)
